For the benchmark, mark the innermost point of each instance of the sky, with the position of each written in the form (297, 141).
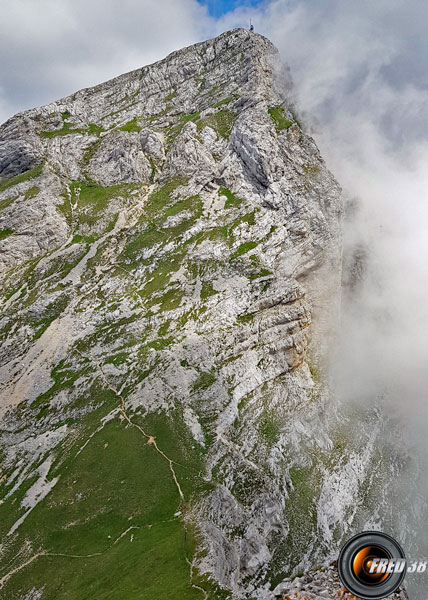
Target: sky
(361, 84)
(217, 8)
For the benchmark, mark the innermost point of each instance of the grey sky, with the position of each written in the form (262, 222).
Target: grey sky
(51, 48)
(337, 50)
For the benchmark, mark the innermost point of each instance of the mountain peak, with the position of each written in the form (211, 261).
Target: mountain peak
(238, 63)
(170, 246)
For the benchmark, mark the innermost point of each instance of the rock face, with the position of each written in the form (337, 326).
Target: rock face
(171, 257)
(319, 585)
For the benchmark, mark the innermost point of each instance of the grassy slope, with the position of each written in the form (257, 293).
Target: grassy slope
(116, 482)
(119, 481)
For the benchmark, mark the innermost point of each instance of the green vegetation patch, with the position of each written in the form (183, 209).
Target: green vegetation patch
(31, 192)
(113, 511)
(311, 170)
(243, 249)
(95, 129)
(89, 152)
(192, 203)
(159, 278)
(156, 211)
(88, 239)
(63, 376)
(161, 343)
(30, 174)
(7, 202)
(171, 299)
(269, 428)
(222, 122)
(65, 209)
(221, 233)
(261, 273)
(171, 96)
(93, 198)
(301, 511)
(224, 233)
(249, 218)
(66, 129)
(52, 312)
(173, 131)
(190, 117)
(204, 381)
(232, 200)
(247, 318)
(315, 373)
(206, 271)
(207, 290)
(152, 566)
(159, 200)
(154, 235)
(247, 486)
(147, 239)
(277, 116)
(4, 233)
(60, 267)
(131, 126)
(224, 101)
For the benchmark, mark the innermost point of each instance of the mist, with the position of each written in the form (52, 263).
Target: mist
(361, 85)
(358, 74)
(370, 108)
(358, 78)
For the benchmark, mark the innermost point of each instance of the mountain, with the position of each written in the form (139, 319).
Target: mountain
(171, 256)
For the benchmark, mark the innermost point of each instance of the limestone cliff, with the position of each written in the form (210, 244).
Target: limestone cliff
(171, 256)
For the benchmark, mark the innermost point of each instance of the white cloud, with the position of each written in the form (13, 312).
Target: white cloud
(51, 48)
(356, 66)
(360, 69)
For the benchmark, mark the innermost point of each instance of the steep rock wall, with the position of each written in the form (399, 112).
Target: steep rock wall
(171, 257)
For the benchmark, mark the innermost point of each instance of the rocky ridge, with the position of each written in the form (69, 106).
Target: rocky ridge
(318, 585)
(170, 247)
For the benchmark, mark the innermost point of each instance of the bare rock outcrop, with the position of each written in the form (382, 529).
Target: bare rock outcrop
(170, 250)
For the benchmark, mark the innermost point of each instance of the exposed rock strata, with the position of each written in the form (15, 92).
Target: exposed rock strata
(171, 258)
